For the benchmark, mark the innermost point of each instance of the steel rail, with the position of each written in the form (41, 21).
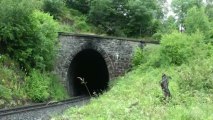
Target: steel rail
(6, 112)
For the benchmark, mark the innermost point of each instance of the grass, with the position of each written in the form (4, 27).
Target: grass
(11, 83)
(15, 85)
(138, 95)
(75, 22)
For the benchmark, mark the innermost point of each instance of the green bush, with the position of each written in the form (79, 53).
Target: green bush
(177, 48)
(54, 7)
(193, 23)
(5, 93)
(152, 54)
(197, 76)
(57, 91)
(146, 57)
(38, 86)
(27, 35)
(44, 86)
(11, 83)
(138, 57)
(82, 6)
(80, 24)
(157, 36)
(14, 24)
(44, 32)
(209, 36)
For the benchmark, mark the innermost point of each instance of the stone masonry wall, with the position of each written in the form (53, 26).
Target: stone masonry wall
(117, 53)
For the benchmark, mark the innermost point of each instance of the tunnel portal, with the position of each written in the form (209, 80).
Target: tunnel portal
(91, 66)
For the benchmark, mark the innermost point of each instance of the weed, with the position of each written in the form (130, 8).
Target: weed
(85, 84)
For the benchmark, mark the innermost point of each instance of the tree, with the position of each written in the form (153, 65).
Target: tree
(44, 36)
(26, 35)
(180, 7)
(209, 10)
(140, 17)
(124, 17)
(54, 7)
(169, 25)
(14, 25)
(110, 16)
(194, 23)
(163, 6)
(81, 5)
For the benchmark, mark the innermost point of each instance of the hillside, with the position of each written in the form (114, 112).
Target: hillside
(29, 43)
(138, 95)
(29, 40)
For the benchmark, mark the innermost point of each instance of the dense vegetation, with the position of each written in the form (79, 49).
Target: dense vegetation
(28, 39)
(138, 94)
(28, 44)
(185, 56)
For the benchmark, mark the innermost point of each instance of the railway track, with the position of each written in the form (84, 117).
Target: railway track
(41, 111)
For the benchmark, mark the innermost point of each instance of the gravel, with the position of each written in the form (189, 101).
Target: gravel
(44, 113)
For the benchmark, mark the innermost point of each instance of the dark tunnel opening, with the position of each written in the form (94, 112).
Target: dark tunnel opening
(90, 65)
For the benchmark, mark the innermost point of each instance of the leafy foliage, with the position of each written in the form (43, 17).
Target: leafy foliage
(44, 86)
(28, 41)
(38, 86)
(194, 23)
(138, 57)
(57, 90)
(144, 57)
(180, 7)
(14, 24)
(11, 83)
(27, 35)
(197, 76)
(44, 29)
(80, 25)
(55, 8)
(123, 18)
(80, 5)
(177, 48)
(137, 95)
(209, 11)
(169, 25)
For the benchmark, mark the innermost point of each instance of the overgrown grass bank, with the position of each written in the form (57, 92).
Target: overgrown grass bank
(17, 88)
(138, 95)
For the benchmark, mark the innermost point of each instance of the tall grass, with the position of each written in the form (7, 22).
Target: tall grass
(138, 95)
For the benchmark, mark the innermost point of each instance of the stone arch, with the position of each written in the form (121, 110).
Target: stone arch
(91, 63)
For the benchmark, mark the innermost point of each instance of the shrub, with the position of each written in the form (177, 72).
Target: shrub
(44, 32)
(148, 56)
(11, 82)
(38, 86)
(27, 35)
(5, 93)
(14, 24)
(80, 24)
(177, 48)
(44, 86)
(197, 76)
(152, 54)
(58, 91)
(194, 23)
(137, 57)
(80, 5)
(157, 36)
(54, 7)
(209, 36)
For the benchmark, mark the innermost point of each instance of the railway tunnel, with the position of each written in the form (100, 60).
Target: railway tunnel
(90, 65)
